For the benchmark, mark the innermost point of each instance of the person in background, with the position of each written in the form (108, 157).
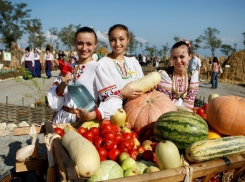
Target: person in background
(48, 58)
(179, 84)
(143, 60)
(95, 56)
(72, 58)
(83, 72)
(215, 72)
(157, 61)
(28, 59)
(37, 68)
(195, 63)
(114, 75)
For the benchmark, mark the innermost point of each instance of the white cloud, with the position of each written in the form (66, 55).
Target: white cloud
(228, 41)
(141, 40)
(102, 36)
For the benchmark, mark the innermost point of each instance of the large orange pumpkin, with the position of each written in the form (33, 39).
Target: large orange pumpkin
(226, 114)
(147, 108)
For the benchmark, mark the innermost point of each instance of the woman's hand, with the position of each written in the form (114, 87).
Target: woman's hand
(130, 92)
(84, 115)
(153, 88)
(65, 77)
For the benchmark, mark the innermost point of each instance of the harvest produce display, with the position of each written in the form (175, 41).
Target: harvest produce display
(151, 134)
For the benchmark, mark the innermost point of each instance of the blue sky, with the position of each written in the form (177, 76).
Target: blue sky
(152, 21)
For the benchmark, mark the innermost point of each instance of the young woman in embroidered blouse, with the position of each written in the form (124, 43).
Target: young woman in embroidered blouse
(37, 68)
(177, 82)
(84, 73)
(114, 74)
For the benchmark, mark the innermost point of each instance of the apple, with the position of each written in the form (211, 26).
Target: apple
(128, 163)
(131, 172)
(153, 145)
(152, 169)
(122, 157)
(149, 155)
(136, 143)
(147, 145)
(125, 130)
(128, 125)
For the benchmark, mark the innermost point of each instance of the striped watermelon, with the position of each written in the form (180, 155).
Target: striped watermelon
(181, 127)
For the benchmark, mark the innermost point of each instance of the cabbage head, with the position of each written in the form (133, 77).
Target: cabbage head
(108, 170)
(142, 165)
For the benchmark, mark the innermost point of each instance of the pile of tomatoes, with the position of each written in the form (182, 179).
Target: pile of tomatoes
(110, 141)
(201, 111)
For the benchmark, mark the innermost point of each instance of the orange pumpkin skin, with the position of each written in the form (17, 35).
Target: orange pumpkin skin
(147, 108)
(226, 114)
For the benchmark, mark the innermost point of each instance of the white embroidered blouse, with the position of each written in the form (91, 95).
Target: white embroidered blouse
(111, 77)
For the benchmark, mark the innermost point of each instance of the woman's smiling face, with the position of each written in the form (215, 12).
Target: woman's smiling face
(180, 58)
(118, 39)
(85, 44)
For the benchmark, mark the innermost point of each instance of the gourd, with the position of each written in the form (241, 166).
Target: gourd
(226, 115)
(147, 108)
(167, 155)
(211, 149)
(82, 153)
(183, 108)
(147, 82)
(180, 127)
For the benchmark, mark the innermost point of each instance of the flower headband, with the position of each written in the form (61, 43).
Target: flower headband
(185, 41)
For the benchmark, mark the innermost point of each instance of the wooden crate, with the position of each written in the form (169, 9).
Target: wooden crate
(67, 170)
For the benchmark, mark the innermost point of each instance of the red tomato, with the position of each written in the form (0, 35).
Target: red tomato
(134, 135)
(106, 127)
(137, 131)
(205, 107)
(126, 136)
(116, 128)
(141, 149)
(108, 134)
(125, 145)
(95, 131)
(89, 135)
(97, 141)
(82, 130)
(102, 152)
(108, 143)
(200, 111)
(59, 131)
(118, 137)
(113, 154)
(103, 159)
(134, 154)
(203, 116)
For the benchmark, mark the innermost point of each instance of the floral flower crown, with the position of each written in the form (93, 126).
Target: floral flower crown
(185, 41)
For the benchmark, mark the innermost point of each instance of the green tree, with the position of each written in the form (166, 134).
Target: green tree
(12, 21)
(176, 38)
(36, 36)
(132, 44)
(227, 49)
(67, 35)
(210, 39)
(165, 49)
(54, 36)
(196, 44)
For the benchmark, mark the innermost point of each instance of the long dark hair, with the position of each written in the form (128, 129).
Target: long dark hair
(215, 59)
(86, 30)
